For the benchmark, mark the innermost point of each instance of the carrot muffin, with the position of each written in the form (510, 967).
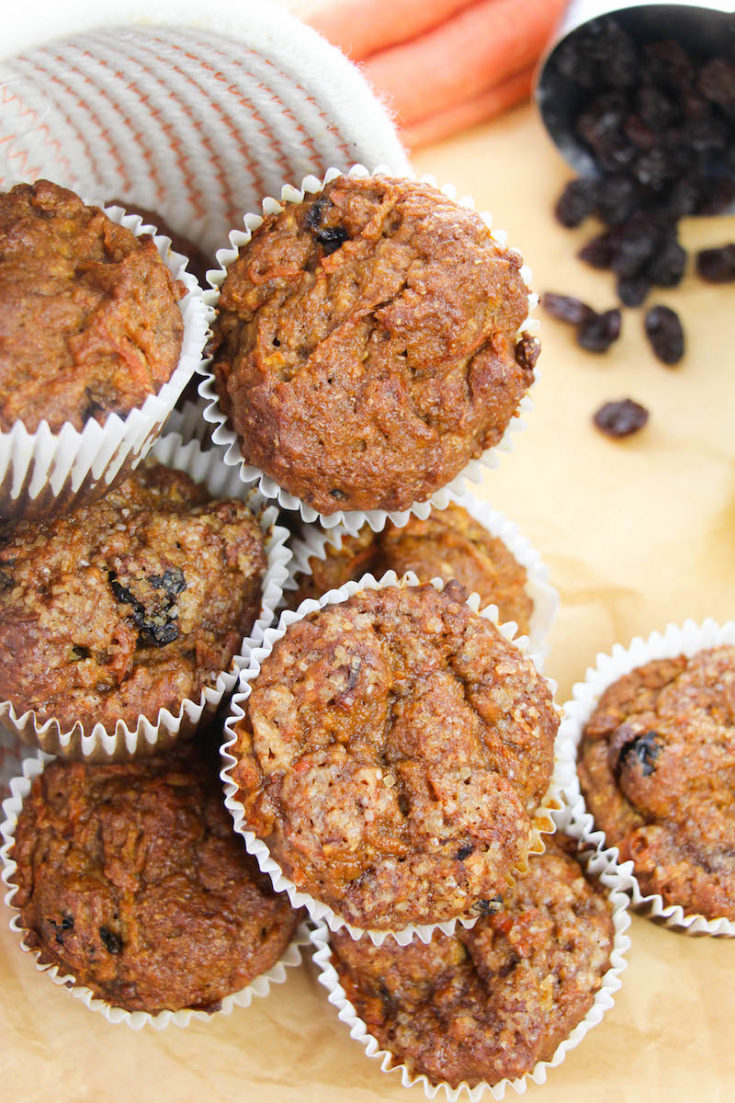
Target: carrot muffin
(130, 878)
(129, 605)
(391, 752)
(657, 769)
(91, 324)
(449, 544)
(490, 1002)
(367, 347)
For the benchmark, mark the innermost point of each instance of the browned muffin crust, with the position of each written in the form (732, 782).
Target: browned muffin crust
(490, 1002)
(366, 343)
(391, 750)
(130, 878)
(657, 769)
(450, 543)
(128, 605)
(91, 324)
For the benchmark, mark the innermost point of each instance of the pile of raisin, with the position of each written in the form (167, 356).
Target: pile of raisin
(661, 130)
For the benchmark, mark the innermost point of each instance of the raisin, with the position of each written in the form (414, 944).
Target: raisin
(597, 333)
(717, 265)
(717, 81)
(60, 929)
(665, 333)
(172, 581)
(616, 200)
(638, 133)
(338, 494)
(599, 251)
(616, 153)
(655, 108)
(489, 907)
(667, 64)
(667, 267)
(576, 202)
(716, 193)
(632, 290)
(464, 852)
(684, 197)
(565, 308)
(644, 749)
(654, 169)
(527, 352)
(331, 238)
(602, 120)
(598, 54)
(158, 623)
(637, 244)
(315, 214)
(111, 941)
(621, 419)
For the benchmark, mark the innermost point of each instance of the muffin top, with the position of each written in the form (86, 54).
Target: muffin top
(129, 605)
(657, 769)
(131, 878)
(449, 544)
(367, 343)
(490, 1002)
(391, 751)
(91, 324)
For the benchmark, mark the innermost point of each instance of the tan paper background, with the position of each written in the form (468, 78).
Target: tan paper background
(635, 534)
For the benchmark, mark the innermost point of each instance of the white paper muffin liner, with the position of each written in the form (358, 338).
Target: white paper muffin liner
(101, 745)
(224, 434)
(686, 639)
(601, 865)
(542, 819)
(260, 986)
(45, 473)
(315, 540)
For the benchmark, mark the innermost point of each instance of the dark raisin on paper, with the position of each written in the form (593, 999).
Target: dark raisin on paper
(597, 333)
(620, 419)
(632, 290)
(665, 334)
(576, 202)
(566, 308)
(717, 265)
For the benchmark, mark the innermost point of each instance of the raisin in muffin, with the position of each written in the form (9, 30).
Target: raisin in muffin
(367, 343)
(91, 323)
(131, 879)
(391, 753)
(129, 605)
(449, 544)
(657, 769)
(490, 1002)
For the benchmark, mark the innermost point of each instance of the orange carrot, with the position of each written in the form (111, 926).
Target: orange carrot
(464, 56)
(507, 94)
(360, 27)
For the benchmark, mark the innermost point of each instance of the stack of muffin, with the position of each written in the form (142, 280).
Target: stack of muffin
(389, 754)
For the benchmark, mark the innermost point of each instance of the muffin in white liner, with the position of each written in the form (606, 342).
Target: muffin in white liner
(600, 864)
(100, 744)
(541, 820)
(314, 541)
(224, 433)
(45, 473)
(19, 788)
(685, 639)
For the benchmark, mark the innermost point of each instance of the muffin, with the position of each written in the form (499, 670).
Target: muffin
(367, 343)
(91, 322)
(392, 750)
(657, 769)
(129, 605)
(131, 879)
(491, 1002)
(449, 544)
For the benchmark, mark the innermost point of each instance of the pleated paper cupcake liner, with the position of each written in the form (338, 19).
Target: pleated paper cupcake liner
(101, 745)
(599, 864)
(225, 435)
(259, 986)
(314, 542)
(45, 473)
(685, 639)
(541, 821)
